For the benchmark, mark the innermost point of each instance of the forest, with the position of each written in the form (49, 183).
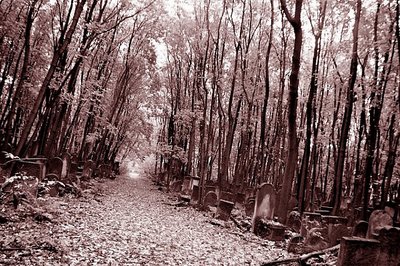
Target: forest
(303, 95)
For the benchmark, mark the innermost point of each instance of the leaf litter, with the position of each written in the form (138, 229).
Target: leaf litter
(127, 222)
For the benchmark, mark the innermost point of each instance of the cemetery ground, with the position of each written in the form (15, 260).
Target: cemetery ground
(126, 221)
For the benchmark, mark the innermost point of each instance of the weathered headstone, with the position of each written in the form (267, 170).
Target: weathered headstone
(295, 244)
(176, 186)
(194, 181)
(228, 196)
(195, 194)
(186, 185)
(209, 188)
(378, 220)
(240, 199)
(336, 232)
(389, 238)
(29, 168)
(360, 229)
(249, 207)
(265, 202)
(66, 158)
(87, 170)
(210, 199)
(224, 209)
(358, 251)
(294, 221)
(54, 166)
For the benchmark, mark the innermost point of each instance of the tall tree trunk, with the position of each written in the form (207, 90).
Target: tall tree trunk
(344, 133)
(291, 161)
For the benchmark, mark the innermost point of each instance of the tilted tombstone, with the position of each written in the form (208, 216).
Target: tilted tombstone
(358, 251)
(360, 229)
(54, 166)
(210, 199)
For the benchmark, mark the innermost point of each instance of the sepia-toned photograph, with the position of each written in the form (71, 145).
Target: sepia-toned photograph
(200, 132)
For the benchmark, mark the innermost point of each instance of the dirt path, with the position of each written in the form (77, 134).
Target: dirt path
(131, 224)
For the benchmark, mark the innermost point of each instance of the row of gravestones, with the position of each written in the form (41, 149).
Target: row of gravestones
(64, 169)
(375, 242)
(260, 206)
(224, 201)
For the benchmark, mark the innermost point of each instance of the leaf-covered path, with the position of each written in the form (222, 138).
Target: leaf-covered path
(131, 223)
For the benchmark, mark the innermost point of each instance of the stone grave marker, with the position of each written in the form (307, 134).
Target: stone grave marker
(240, 199)
(360, 229)
(378, 220)
(265, 202)
(195, 194)
(54, 166)
(66, 158)
(294, 221)
(194, 181)
(35, 169)
(249, 207)
(389, 254)
(358, 251)
(228, 196)
(210, 199)
(87, 170)
(224, 210)
(209, 188)
(186, 185)
(176, 186)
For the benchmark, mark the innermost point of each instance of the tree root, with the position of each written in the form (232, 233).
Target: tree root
(301, 260)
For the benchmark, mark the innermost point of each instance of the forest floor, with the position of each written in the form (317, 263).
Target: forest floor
(128, 221)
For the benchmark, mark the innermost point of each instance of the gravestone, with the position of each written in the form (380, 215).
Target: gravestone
(186, 185)
(389, 254)
(195, 194)
(72, 174)
(240, 199)
(209, 188)
(378, 220)
(249, 207)
(87, 170)
(55, 166)
(294, 221)
(211, 199)
(29, 168)
(296, 244)
(194, 181)
(66, 158)
(360, 229)
(228, 196)
(336, 232)
(358, 251)
(265, 202)
(224, 210)
(176, 186)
